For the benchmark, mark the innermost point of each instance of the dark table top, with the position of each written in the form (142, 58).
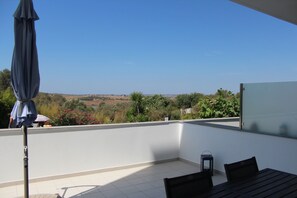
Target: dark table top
(267, 183)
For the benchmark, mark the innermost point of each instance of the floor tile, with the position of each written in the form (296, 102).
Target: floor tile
(136, 182)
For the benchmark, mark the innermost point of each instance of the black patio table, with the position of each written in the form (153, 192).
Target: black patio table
(267, 183)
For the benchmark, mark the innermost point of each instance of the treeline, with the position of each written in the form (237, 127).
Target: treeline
(7, 98)
(140, 108)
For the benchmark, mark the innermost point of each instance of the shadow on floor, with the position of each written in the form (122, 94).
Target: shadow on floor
(137, 182)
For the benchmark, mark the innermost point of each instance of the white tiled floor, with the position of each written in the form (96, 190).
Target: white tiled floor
(138, 182)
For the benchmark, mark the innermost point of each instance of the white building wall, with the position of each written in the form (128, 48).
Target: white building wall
(230, 145)
(61, 151)
(68, 150)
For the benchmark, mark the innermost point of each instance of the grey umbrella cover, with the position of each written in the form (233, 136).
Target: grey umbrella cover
(24, 69)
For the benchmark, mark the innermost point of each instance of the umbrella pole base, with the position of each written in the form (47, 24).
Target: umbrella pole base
(26, 162)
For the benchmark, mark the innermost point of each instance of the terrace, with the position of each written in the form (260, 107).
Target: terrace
(131, 160)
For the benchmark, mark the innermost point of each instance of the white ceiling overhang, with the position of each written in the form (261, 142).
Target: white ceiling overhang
(282, 9)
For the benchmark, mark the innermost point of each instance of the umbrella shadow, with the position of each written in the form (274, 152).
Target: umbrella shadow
(93, 189)
(143, 181)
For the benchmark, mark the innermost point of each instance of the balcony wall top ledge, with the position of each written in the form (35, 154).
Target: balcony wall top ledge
(213, 122)
(231, 123)
(73, 128)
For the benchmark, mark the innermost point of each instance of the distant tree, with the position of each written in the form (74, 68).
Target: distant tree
(49, 99)
(66, 117)
(121, 112)
(4, 115)
(223, 104)
(49, 104)
(157, 107)
(206, 108)
(7, 96)
(156, 101)
(223, 93)
(76, 104)
(112, 113)
(105, 113)
(137, 99)
(137, 113)
(184, 101)
(50, 111)
(175, 114)
(4, 79)
(42, 99)
(7, 100)
(195, 97)
(58, 99)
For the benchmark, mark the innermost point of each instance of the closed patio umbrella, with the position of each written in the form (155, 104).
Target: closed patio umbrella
(25, 78)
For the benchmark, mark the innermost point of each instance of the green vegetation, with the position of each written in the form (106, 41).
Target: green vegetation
(223, 104)
(7, 98)
(138, 108)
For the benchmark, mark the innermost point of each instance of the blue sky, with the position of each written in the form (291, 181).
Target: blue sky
(153, 46)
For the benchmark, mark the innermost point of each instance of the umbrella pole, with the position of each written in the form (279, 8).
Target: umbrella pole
(26, 169)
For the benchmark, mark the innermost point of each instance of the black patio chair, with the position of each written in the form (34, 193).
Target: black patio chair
(188, 186)
(241, 170)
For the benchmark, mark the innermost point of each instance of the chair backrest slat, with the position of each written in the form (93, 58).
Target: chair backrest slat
(187, 186)
(241, 170)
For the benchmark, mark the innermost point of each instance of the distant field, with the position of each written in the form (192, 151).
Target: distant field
(95, 100)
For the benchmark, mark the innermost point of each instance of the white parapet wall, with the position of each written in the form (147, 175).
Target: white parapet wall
(70, 150)
(228, 146)
(65, 151)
